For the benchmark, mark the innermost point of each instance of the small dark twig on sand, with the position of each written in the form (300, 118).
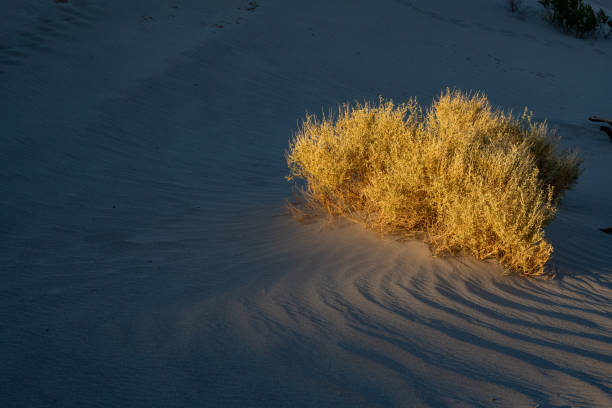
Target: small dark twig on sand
(599, 119)
(606, 129)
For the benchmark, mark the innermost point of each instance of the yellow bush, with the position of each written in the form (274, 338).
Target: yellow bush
(463, 175)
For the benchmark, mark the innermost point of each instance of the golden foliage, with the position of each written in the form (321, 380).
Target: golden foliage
(463, 175)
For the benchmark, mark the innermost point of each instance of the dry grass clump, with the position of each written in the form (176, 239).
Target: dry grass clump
(463, 175)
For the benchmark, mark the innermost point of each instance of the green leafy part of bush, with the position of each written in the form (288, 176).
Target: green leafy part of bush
(576, 16)
(462, 175)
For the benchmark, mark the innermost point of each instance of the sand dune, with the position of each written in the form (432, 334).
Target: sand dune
(146, 256)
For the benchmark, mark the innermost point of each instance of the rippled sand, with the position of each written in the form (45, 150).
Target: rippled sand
(146, 256)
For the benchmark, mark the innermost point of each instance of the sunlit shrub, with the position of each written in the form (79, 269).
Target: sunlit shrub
(462, 175)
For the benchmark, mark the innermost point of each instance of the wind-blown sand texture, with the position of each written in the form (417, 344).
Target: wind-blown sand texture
(146, 258)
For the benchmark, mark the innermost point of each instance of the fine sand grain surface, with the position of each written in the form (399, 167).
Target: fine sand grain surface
(145, 255)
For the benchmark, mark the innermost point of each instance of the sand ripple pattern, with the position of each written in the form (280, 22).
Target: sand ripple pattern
(147, 259)
(420, 325)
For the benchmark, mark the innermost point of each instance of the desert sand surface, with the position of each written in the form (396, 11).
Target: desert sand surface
(146, 256)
